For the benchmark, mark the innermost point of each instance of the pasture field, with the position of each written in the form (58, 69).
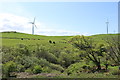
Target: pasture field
(12, 39)
(39, 56)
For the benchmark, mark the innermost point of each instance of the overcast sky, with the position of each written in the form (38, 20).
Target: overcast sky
(59, 18)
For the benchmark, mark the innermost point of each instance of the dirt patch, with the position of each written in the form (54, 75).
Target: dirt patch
(28, 75)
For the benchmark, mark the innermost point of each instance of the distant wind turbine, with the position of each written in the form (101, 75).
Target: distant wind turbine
(33, 25)
(107, 25)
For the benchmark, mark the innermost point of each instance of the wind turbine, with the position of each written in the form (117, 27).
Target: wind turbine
(107, 25)
(33, 25)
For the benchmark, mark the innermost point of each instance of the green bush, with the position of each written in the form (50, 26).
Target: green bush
(114, 70)
(6, 57)
(27, 62)
(8, 68)
(75, 68)
(65, 59)
(23, 49)
(37, 69)
(56, 67)
(42, 52)
(7, 54)
(51, 58)
(44, 62)
(20, 68)
(29, 70)
(46, 70)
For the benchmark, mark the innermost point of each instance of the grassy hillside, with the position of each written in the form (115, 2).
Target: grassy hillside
(14, 38)
(25, 54)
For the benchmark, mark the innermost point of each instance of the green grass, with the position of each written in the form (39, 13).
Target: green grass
(44, 40)
(24, 35)
(12, 39)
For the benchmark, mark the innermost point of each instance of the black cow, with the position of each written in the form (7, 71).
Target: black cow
(21, 38)
(50, 41)
(53, 42)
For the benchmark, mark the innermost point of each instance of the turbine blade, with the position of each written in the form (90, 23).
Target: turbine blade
(35, 26)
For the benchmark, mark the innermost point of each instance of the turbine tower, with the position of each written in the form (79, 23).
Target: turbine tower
(33, 25)
(107, 25)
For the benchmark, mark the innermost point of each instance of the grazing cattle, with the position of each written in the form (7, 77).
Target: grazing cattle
(21, 38)
(53, 42)
(50, 41)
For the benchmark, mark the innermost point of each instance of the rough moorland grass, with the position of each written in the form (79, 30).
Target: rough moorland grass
(44, 40)
(24, 35)
(32, 39)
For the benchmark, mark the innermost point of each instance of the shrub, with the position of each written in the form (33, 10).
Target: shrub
(6, 57)
(42, 52)
(51, 58)
(75, 68)
(37, 69)
(27, 62)
(29, 70)
(24, 50)
(7, 54)
(46, 69)
(56, 67)
(44, 62)
(65, 59)
(8, 68)
(116, 72)
(20, 68)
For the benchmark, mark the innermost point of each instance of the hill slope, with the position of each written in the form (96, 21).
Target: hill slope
(13, 38)
(37, 54)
